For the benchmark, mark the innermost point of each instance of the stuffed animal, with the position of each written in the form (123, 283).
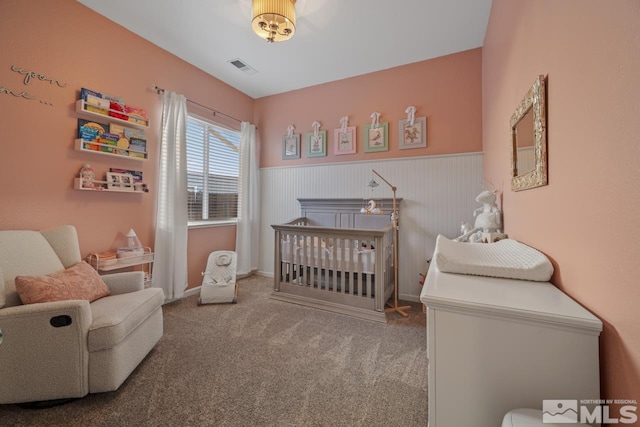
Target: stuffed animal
(88, 176)
(371, 208)
(488, 219)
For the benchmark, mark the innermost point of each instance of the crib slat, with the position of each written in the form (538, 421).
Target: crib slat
(291, 258)
(336, 266)
(360, 280)
(312, 261)
(344, 268)
(282, 257)
(381, 273)
(369, 284)
(278, 262)
(371, 280)
(315, 261)
(303, 260)
(285, 264)
(287, 259)
(319, 262)
(322, 259)
(332, 261)
(298, 258)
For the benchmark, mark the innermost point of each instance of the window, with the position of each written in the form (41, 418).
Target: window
(213, 165)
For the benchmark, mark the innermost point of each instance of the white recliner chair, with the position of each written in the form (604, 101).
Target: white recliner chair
(67, 349)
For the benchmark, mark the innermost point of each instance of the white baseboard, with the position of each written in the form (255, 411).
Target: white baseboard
(264, 274)
(192, 291)
(406, 297)
(196, 290)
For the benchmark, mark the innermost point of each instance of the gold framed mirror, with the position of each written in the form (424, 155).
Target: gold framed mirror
(529, 139)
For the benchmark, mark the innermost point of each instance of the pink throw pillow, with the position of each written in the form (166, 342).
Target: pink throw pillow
(78, 282)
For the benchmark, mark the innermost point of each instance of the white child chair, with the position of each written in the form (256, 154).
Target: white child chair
(219, 279)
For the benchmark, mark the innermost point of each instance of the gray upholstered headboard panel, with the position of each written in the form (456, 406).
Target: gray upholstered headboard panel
(345, 213)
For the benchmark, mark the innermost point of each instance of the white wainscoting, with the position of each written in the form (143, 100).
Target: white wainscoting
(437, 191)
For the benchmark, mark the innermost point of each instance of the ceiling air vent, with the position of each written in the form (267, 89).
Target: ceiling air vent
(241, 65)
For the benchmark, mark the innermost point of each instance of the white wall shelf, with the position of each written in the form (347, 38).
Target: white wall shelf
(81, 108)
(101, 186)
(81, 145)
(115, 152)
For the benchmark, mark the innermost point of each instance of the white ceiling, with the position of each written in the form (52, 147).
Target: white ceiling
(334, 39)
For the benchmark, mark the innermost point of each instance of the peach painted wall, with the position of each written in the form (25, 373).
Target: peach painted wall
(64, 40)
(586, 219)
(447, 90)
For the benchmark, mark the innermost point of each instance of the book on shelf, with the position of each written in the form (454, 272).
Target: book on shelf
(97, 105)
(84, 93)
(138, 144)
(134, 133)
(113, 98)
(136, 115)
(126, 132)
(90, 130)
(137, 175)
(117, 110)
(108, 139)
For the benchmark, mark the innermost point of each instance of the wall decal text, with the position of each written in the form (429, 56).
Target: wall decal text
(24, 94)
(28, 75)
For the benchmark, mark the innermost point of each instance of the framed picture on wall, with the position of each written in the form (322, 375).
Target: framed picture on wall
(119, 181)
(376, 139)
(344, 142)
(317, 145)
(113, 181)
(126, 182)
(412, 136)
(291, 147)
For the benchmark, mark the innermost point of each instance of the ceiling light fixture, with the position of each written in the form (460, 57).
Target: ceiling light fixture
(274, 20)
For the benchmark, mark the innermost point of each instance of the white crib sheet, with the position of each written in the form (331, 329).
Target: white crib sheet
(323, 256)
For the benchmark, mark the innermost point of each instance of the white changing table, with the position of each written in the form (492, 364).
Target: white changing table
(499, 344)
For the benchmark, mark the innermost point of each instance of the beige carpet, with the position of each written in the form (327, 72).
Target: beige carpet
(262, 362)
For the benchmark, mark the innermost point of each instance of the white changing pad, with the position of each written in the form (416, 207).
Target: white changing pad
(506, 258)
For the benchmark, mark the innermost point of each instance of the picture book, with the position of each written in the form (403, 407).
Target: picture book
(138, 144)
(109, 140)
(90, 130)
(128, 133)
(136, 115)
(84, 92)
(137, 175)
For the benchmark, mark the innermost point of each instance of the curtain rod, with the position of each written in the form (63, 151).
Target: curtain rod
(215, 112)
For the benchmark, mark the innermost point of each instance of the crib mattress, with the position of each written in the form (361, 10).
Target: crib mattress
(324, 256)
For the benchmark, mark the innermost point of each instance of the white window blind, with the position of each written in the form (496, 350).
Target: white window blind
(213, 166)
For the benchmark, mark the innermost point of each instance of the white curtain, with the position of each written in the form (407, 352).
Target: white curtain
(170, 265)
(248, 204)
